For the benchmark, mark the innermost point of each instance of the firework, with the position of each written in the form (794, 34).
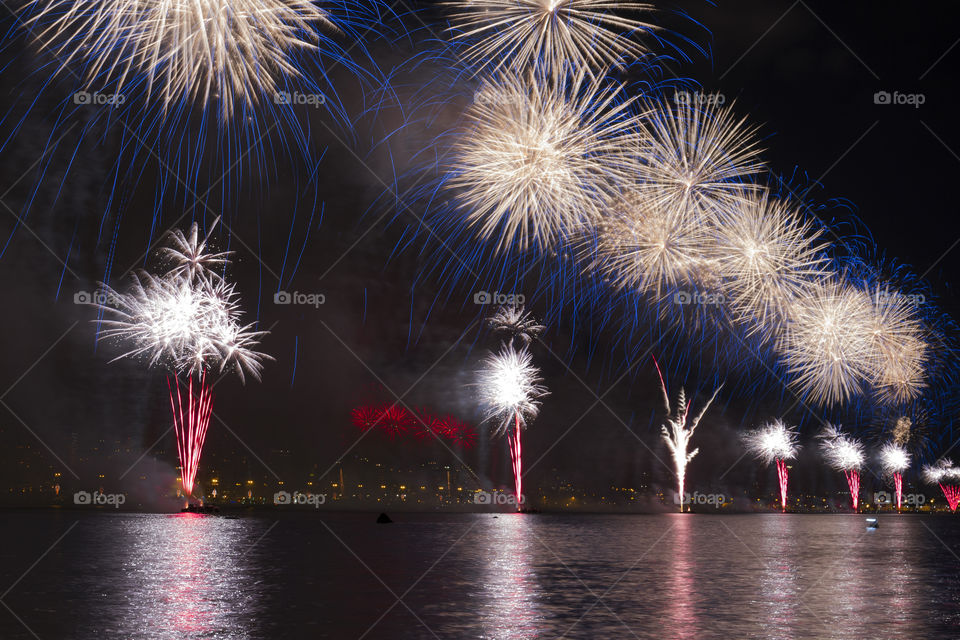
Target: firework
(562, 34)
(233, 51)
(945, 474)
(510, 392)
(844, 454)
(766, 254)
(696, 159)
(679, 430)
(514, 321)
(541, 160)
(189, 321)
(775, 442)
(899, 348)
(828, 344)
(894, 460)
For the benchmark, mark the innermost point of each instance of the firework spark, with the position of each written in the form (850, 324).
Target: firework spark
(541, 160)
(234, 51)
(899, 348)
(894, 460)
(678, 431)
(767, 254)
(562, 34)
(188, 320)
(775, 442)
(844, 454)
(514, 321)
(510, 392)
(945, 474)
(828, 348)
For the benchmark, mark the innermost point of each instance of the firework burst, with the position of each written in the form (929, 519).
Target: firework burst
(234, 51)
(510, 392)
(899, 347)
(775, 442)
(827, 347)
(541, 160)
(188, 320)
(767, 255)
(947, 475)
(562, 34)
(894, 460)
(515, 322)
(844, 454)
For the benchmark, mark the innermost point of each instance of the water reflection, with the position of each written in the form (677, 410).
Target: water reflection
(778, 586)
(187, 579)
(681, 600)
(511, 606)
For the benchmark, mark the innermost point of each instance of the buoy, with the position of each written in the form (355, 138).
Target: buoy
(384, 519)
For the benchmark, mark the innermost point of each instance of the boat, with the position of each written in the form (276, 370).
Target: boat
(872, 523)
(208, 509)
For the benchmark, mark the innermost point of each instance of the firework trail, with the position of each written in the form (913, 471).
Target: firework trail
(540, 160)
(775, 442)
(510, 393)
(894, 460)
(562, 34)
(188, 320)
(680, 431)
(945, 474)
(844, 454)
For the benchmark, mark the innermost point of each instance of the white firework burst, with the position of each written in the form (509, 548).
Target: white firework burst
(234, 51)
(842, 452)
(577, 34)
(696, 159)
(767, 255)
(510, 387)
(899, 347)
(943, 471)
(828, 347)
(894, 459)
(541, 160)
(773, 441)
(514, 321)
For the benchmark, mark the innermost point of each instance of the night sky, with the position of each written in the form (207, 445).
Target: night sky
(806, 72)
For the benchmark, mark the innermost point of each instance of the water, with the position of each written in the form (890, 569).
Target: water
(322, 575)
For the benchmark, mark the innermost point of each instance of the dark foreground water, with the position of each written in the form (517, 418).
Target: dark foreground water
(321, 575)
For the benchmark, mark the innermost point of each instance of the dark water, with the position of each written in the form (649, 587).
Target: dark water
(475, 576)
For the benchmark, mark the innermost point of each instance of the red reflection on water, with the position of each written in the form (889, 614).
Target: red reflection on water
(511, 584)
(681, 606)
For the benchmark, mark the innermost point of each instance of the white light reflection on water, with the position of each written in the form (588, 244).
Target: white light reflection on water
(509, 602)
